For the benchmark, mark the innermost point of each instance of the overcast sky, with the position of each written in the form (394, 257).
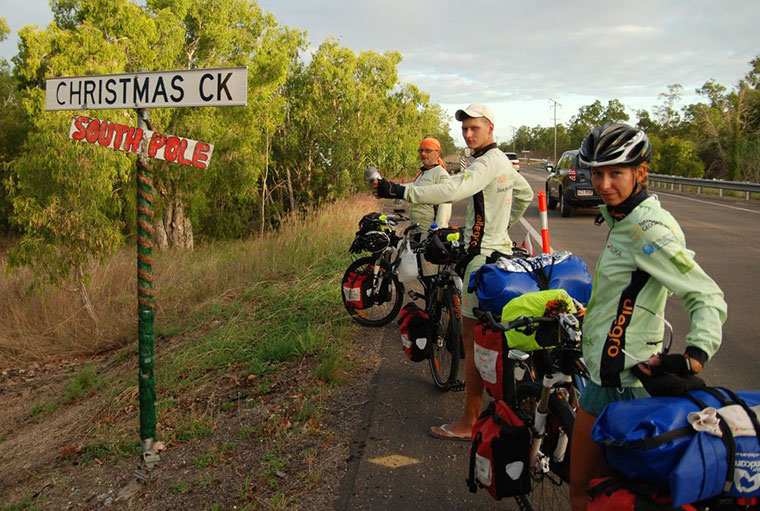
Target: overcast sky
(514, 56)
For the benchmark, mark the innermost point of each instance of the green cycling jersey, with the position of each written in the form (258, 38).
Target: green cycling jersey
(644, 260)
(499, 197)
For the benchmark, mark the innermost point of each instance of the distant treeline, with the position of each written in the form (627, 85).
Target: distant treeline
(716, 138)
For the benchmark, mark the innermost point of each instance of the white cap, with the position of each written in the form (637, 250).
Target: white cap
(475, 110)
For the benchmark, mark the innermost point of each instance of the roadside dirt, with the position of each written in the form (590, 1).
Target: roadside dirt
(262, 451)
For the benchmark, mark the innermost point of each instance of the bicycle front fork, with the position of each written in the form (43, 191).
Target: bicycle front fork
(538, 460)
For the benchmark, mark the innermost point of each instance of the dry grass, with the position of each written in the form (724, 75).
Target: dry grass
(51, 323)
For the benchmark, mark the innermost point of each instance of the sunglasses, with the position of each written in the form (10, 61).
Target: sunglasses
(425, 150)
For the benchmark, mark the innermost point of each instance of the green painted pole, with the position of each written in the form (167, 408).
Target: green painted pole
(145, 308)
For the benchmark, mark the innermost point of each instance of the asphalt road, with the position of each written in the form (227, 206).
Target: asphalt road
(395, 465)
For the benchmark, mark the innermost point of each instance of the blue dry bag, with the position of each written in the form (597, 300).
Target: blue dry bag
(652, 440)
(498, 283)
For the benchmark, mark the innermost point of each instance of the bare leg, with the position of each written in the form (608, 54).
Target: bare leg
(586, 460)
(473, 390)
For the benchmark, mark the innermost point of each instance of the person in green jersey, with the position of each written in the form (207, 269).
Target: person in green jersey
(644, 260)
(498, 196)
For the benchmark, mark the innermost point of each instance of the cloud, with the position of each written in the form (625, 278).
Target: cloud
(517, 55)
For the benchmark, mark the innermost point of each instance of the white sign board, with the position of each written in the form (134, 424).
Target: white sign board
(121, 137)
(158, 89)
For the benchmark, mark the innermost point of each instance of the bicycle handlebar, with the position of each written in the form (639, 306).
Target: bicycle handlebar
(522, 321)
(411, 228)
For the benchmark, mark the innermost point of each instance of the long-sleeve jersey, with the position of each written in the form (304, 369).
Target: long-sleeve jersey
(426, 214)
(644, 260)
(499, 196)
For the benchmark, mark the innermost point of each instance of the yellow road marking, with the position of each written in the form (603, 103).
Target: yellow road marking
(394, 461)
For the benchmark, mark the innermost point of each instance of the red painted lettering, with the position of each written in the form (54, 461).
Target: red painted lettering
(172, 146)
(133, 139)
(105, 134)
(157, 142)
(200, 155)
(120, 131)
(181, 154)
(92, 131)
(80, 123)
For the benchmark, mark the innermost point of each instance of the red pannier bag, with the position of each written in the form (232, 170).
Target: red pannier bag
(617, 494)
(500, 453)
(416, 332)
(358, 289)
(489, 350)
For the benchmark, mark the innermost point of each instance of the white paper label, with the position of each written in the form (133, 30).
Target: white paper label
(482, 470)
(485, 361)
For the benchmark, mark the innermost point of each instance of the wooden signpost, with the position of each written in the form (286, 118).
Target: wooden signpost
(142, 91)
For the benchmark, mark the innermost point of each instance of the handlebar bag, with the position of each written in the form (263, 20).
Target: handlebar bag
(497, 283)
(490, 348)
(416, 332)
(357, 290)
(535, 304)
(653, 440)
(500, 453)
(439, 249)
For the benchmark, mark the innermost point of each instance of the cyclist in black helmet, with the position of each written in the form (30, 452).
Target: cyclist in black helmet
(645, 258)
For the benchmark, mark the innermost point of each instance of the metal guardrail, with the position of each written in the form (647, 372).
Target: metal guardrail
(672, 182)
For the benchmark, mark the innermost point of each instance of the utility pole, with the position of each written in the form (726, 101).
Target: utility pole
(514, 130)
(555, 129)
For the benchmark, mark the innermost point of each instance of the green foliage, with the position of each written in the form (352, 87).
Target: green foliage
(87, 380)
(4, 29)
(302, 139)
(27, 504)
(194, 427)
(42, 410)
(593, 115)
(179, 486)
(207, 459)
(332, 367)
(676, 157)
(111, 449)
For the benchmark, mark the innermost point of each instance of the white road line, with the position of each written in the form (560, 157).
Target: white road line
(533, 233)
(705, 202)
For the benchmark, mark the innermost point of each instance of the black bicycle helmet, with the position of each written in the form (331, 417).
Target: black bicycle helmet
(614, 144)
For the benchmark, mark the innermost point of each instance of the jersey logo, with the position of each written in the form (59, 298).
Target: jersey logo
(682, 262)
(613, 361)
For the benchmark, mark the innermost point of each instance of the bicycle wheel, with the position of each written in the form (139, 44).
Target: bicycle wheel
(447, 322)
(549, 489)
(387, 294)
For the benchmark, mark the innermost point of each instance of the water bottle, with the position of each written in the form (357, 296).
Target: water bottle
(371, 173)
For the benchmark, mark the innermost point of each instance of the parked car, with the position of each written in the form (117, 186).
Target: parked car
(514, 159)
(569, 185)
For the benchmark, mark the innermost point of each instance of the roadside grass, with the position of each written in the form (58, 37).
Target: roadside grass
(226, 310)
(195, 290)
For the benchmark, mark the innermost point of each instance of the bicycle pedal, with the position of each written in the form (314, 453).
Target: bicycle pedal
(457, 386)
(414, 295)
